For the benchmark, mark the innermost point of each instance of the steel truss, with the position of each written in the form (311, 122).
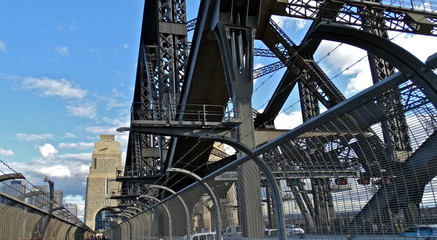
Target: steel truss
(395, 18)
(162, 96)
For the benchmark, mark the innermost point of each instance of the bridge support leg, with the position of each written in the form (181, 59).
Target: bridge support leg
(234, 26)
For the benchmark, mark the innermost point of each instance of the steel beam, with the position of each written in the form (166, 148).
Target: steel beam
(397, 18)
(405, 62)
(179, 130)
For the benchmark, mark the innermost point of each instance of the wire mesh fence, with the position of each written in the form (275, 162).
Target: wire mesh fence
(27, 212)
(365, 169)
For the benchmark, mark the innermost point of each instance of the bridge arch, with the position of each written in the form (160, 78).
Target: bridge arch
(404, 61)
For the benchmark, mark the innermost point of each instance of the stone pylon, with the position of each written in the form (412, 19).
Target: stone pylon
(101, 178)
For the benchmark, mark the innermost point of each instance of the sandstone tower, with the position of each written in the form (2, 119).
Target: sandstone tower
(101, 178)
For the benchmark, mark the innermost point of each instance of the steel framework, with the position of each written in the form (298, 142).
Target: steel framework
(184, 91)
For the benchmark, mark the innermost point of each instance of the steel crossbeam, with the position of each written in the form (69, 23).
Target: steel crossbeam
(397, 18)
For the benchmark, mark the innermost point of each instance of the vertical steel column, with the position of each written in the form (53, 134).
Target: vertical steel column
(172, 51)
(396, 139)
(161, 72)
(322, 199)
(162, 60)
(234, 26)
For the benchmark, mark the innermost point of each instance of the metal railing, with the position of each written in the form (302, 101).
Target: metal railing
(337, 178)
(28, 213)
(202, 114)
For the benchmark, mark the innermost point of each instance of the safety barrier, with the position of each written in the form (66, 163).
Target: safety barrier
(30, 214)
(364, 169)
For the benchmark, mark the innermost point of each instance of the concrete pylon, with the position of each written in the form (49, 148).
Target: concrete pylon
(101, 178)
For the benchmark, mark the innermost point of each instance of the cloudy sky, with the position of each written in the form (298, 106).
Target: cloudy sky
(67, 72)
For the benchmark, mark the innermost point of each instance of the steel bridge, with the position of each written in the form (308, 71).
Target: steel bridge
(201, 158)
(364, 166)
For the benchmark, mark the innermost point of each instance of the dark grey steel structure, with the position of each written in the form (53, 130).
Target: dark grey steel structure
(185, 92)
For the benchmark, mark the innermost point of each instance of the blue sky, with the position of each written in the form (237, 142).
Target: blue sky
(67, 73)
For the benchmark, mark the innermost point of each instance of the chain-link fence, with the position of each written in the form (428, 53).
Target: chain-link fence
(29, 213)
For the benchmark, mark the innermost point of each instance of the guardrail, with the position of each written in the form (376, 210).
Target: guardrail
(30, 214)
(197, 113)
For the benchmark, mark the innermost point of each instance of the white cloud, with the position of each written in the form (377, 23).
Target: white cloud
(101, 130)
(292, 23)
(51, 87)
(258, 65)
(47, 151)
(352, 61)
(56, 171)
(63, 50)
(361, 81)
(9, 77)
(288, 121)
(79, 200)
(420, 46)
(116, 99)
(68, 175)
(83, 157)
(283, 22)
(83, 110)
(79, 145)
(34, 137)
(344, 59)
(300, 23)
(112, 103)
(69, 135)
(349, 60)
(117, 121)
(122, 138)
(125, 46)
(85, 169)
(2, 46)
(6, 152)
(74, 199)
